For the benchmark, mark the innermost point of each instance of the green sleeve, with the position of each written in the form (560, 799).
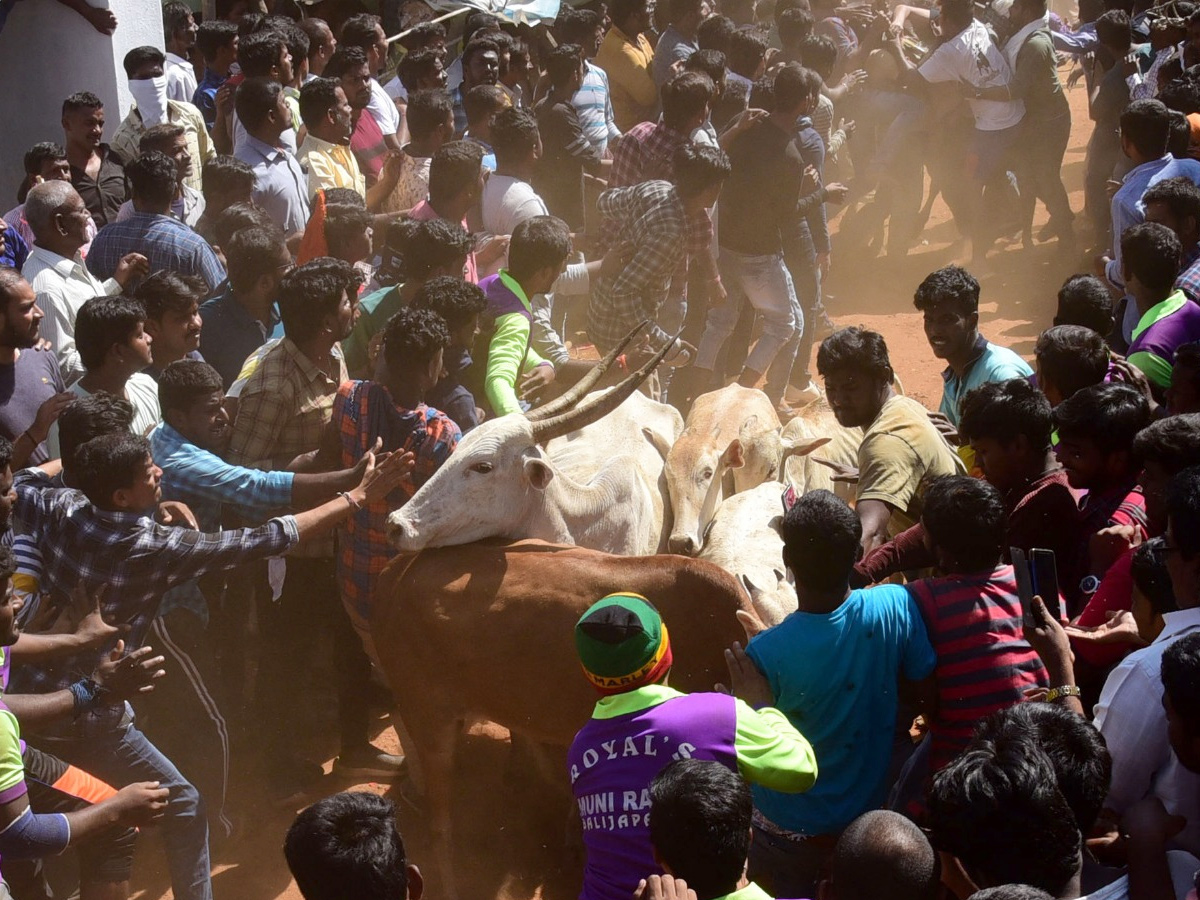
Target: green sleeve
(12, 769)
(507, 352)
(533, 359)
(771, 752)
(1157, 369)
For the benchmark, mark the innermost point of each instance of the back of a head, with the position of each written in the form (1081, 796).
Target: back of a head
(998, 808)
(967, 521)
(698, 168)
(255, 100)
(952, 286)
(818, 51)
(227, 180)
(1181, 681)
(685, 97)
(1005, 410)
(346, 227)
(562, 64)
(855, 350)
(43, 203)
(482, 102)
(1173, 443)
(431, 245)
(213, 36)
(1108, 415)
(455, 300)
(1112, 29)
(821, 537)
(792, 87)
(427, 112)
(412, 338)
(1183, 513)
(715, 33)
(1150, 253)
(153, 178)
(884, 856)
(347, 845)
(311, 292)
(1146, 124)
(537, 243)
(514, 135)
(1084, 300)
(747, 47)
(707, 62)
(104, 322)
(237, 216)
(1071, 357)
(455, 167)
(700, 829)
(90, 417)
(359, 31)
(576, 26)
(259, 53)
(1076, 750)
(795, 27)
(1152, 578)
(1011, 892)
(251, 253)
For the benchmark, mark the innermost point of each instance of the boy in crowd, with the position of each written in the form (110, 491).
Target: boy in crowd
(1069, 358)
(217, 42)
(1183, 396)
(227, 180)
(1084, 300)
(460, 306)
(173, 323)
(834, 666)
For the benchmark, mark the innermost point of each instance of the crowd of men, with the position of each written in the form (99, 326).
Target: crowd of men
(260, 316)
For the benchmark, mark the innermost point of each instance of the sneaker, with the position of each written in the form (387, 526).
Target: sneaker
(370, 762)
(798, 397)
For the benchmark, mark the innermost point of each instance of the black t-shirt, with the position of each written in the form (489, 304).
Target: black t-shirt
(104, 195)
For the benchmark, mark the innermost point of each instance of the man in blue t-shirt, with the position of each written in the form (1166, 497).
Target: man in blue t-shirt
(834, 668)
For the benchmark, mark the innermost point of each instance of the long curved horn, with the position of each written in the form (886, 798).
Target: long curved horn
(597, 408)
(579, 390)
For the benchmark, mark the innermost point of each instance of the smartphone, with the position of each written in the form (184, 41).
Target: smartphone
(1024, 585)
(1037, 576)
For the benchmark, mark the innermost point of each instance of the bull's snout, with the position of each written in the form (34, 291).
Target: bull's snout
(683, 544)
(400, 532)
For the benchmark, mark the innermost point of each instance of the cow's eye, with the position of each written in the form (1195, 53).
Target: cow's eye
(482, 467)
(706, 474)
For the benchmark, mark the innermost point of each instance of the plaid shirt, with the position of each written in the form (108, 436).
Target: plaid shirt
(282, 412)
(1189, 275)
(649, 217)
(363, 412)
(133, 557)
(166, 242)
(205, 482)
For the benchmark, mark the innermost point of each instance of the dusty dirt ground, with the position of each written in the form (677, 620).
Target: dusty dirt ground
(509, 830)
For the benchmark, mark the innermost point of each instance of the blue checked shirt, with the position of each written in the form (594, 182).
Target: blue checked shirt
(1189, 275)
(135, 559)
(593, 103)
(166, 242)
(205, 482)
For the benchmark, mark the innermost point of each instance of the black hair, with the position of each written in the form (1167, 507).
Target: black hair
(158, 135)
(10, 278)
(359, 31)
(90, 417)
(256, 99)
(821, 537)
(1179, 138)
(251, 22)
(1081, 763)
(170, 292)
(347, 845)
(576, 26)
(747, 47)
(792, 87)
(237, 216)
(1084, 300)
(1172, 443)
(416, 65)
(479, 45)
(427, 112)
(8, 565)
(562, 63)
(483, 101)
(343, 60)
(455, 166)
(1151, 252)
(153, 177)
(40, 154)
(882, 855)
(411, 339)
(1004, 411)
(795, 28)
(103, 322)
(818, 51)
(226, 176)
(715, 33)
(1147, 124)
(317, 98)
(293, 36)
(950, 285)
(258, 54)
(1183, 511)
(1113, 30)
(252, 252)
(1148, 567)
(81, 100)
(707, 62)
(699, 167)
(762, 93)
(343, 223)
(140, 56)
(684, 97)
(622, 10)
(109, 463)
(455, 300)
(1108, 415)
(1187, 359)
(998, 808)
(421, 36)
(185, 382)
(310, 292)
(1181, 93)
(681, 9)
(514, 134)
(966, 518)
(213, 36)
(537, 243)
(856, 350)
(1011, 892)
(1179, 195)
(315, 29)
(6, 450)
(701, 824)
(1181, 680)
(1071, 357)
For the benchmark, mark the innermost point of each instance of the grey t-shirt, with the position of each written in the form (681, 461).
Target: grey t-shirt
(24, 386)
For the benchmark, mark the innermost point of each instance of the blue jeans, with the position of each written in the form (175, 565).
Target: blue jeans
(120, 754)
(766, 283)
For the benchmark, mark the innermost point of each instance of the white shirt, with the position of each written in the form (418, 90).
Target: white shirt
(181, 78)
(287, 138)
(383, 108)
(62, 286)
(971, 57)
(142, 393)
(507, 202)
(1131, 718)
(396, 90)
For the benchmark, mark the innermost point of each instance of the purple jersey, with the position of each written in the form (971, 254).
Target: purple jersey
(612, 762)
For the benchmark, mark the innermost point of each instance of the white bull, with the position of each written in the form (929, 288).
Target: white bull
(500, 482)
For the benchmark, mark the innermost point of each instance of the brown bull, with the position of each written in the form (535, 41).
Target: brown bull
(486, 631)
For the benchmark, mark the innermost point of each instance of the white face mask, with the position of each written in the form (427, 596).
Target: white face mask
(151, 97)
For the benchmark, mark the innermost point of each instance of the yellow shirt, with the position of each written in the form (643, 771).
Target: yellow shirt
(629, 66)
(329, 166)
(200, 147)
(901, 453)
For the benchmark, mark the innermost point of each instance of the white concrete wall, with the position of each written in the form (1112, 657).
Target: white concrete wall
(47, 52)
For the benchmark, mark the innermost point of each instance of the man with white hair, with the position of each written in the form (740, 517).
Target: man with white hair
(58, 217)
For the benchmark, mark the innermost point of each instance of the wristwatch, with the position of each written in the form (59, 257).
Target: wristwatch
(1088, 585)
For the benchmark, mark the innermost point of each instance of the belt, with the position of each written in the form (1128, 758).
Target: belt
(821, 841)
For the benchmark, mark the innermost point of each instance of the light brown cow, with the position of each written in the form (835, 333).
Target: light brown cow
(485, 631)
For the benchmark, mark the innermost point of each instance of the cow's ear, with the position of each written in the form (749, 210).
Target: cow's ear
(538, 473)
(733, 457)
